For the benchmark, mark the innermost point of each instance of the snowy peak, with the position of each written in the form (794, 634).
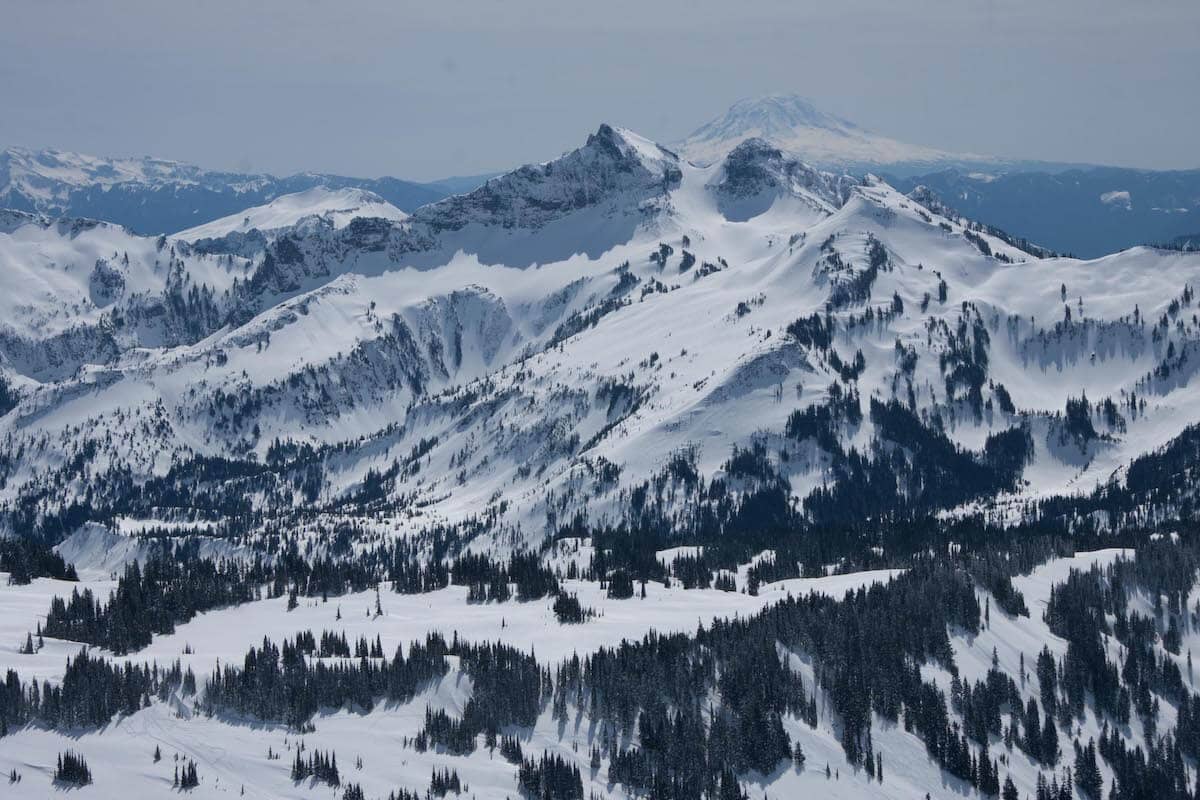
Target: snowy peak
(587, 201)
(615, 170)
(777, 115)
(794, 124)
(631, 151)
(337, 207)
(756, 173)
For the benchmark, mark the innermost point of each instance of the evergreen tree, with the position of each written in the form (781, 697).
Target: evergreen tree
(1087, 772)
(72, 769)
(189, 778)
(798, 757)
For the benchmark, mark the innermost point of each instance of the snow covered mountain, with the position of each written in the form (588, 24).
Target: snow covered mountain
(545, 346)
(792, 123)
(616, 476)
(154, 196)
(49, 176)
(337, 206)
(79, 292)
(1082, 209)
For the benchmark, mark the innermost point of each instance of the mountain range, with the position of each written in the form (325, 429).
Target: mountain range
(153, 196)
(1082, 209)
(624, 474)
(538, 349)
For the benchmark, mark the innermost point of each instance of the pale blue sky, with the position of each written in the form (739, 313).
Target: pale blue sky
(428, 89)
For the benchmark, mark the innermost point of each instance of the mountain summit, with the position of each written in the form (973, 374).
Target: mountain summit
(793, 123)
(774, 115)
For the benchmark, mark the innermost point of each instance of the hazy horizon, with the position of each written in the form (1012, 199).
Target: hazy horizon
(470, 87)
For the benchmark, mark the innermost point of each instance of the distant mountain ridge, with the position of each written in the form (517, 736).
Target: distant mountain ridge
(155, 196)
(1084, 209)
(1076, 208)
(1088, 212)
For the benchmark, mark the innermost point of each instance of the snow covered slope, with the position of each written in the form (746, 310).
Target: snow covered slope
(543, 346)
(81, 292)
(378, 747)
(338, 206)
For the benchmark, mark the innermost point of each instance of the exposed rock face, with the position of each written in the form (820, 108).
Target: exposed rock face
(612, 163)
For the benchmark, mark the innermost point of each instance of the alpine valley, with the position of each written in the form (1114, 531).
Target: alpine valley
(620, 475)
